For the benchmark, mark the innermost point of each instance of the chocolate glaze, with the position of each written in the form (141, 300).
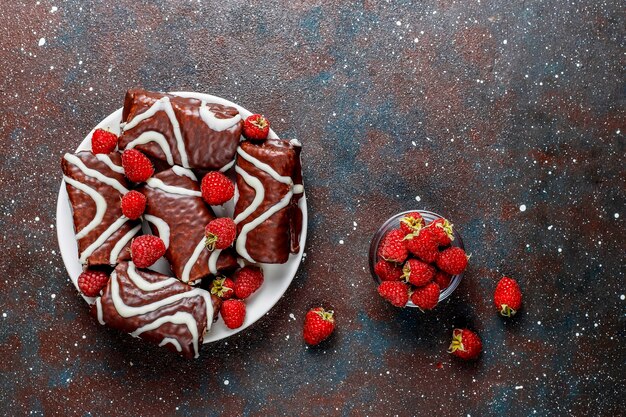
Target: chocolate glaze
(133, 296)
(279, 235)
(206, 148)
(84, 207)
(187, 217)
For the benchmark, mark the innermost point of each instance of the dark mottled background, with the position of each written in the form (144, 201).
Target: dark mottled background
(507, 117)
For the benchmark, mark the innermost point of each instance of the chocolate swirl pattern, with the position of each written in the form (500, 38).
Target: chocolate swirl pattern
(266, 213)
(181, 131)
(157, 308)
(95, 185)
(177, 213)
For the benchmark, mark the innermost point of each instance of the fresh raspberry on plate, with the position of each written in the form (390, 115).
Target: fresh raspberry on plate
(137, 166)
(423, 245)
(318, 325)
(396, 292)
(442, 233)
(223, 287)
(133, 204)
(452, 260)
(217, 188)
(393, 247)
(417, 272)
(426, 297)
(465, 344)
(411, 223)
(247, 280)
(146, 250)
(91, 282)
(387, 271)
(507, 297)
(233, 313)
(256, 127)
(220, 233)
(103, 141)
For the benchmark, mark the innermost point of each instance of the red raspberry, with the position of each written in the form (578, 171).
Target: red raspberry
(441, 231)
(256, 127)
(223, 288)
(507, 297)
(423, 245)
(217, 188)
(133, 204)
(318, 326)
(233, 312)
(417, 272)
(396, 292)
(465, 344)
(103, 141)
(426, 297)
(452, 260)
(247, 280)
(220, 233)
(393, 247)
(442, 279)
(411, 223)
(137, 166)
(388, 271)
(146, 250)
(91, 282)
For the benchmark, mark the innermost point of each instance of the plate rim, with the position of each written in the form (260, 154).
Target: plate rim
(70, 260)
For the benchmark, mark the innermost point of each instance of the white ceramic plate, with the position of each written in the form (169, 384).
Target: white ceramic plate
(277, 277)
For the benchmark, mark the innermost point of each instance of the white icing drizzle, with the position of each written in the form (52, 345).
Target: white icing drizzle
(213, 261)
(259, 195)
(213, 122)
(227, 166)
(157, 183)
(101, 205)
(117, 249)
(176, 318)
(264, 167)
(163, 104)
(184, 172)
(152, 136)
(145, 285)
(115, 226)
(241, 240)
(162, 227)
(74, 160)
(107, 160)
(99, 310)
(192, 261)
(298, 189)
(171, 340)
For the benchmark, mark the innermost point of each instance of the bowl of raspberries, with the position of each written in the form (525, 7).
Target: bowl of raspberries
(417, 259)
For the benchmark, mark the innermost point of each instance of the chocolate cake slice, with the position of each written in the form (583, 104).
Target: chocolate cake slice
(269, 182)
(182, 131)
(157, 308)
(177, 214)
(95, 185)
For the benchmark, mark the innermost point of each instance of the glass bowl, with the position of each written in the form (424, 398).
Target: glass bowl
(394, 223)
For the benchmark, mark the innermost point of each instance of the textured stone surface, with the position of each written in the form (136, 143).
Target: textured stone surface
(507, 117)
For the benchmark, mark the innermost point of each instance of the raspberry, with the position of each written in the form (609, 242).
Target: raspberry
(223, 288)
(423, 245)
(220, 233)
(256, 127)
(393, 247)
(217, 188)
(133, 204)
(465, 344)
(91, 282)
(426, 297)
(411, 223)
(247, 280)
(452, 260)
(442, 232)
(103, 141)
(233, 312)
(137, 166)
(396, 292)
(442, 279)
(318, 325)
(146, 250)
(387, 271)
(507, 297)
(417, 272)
